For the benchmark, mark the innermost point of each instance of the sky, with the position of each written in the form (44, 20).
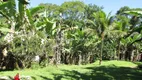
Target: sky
(109, 5)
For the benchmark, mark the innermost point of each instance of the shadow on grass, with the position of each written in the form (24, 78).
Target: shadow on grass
(45, 78)
(101, 73)
(1, 70)
(33, 78)
(139, 64)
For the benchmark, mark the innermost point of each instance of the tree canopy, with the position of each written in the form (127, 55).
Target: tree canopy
(70, 33)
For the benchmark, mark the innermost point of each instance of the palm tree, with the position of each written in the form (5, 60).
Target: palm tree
(105, 25)
(102, 24)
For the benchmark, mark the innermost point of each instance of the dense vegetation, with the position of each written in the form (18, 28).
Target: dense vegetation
(70, 33)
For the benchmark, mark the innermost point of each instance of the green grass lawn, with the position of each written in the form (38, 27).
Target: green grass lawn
(109, 70)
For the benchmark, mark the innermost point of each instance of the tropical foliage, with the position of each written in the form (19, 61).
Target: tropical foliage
(70, 33)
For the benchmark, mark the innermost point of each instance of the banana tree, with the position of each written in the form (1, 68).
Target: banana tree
(129, 44)
(8, 10)
(136, 26)
(136, 19)
(77, 45)
(24, 25)
(23, 19)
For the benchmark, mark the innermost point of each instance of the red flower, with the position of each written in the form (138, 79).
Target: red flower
(16, 77)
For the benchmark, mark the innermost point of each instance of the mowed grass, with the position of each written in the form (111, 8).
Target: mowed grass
(109, 70)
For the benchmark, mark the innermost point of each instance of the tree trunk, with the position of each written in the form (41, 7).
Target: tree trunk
(57, 55)
(118, 51)
(58, 50)
(102, 44)
(80, 59)
(128, 52)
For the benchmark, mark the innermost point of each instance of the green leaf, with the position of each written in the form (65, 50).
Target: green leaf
(136, 37)
(5, 29)
(8, 8)
(49, 26)
(35, 10)
(30, 18)
(21, 10)
(12, 8)
(4, 15)
(40, 24)
(134, 12)
(24, 1)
